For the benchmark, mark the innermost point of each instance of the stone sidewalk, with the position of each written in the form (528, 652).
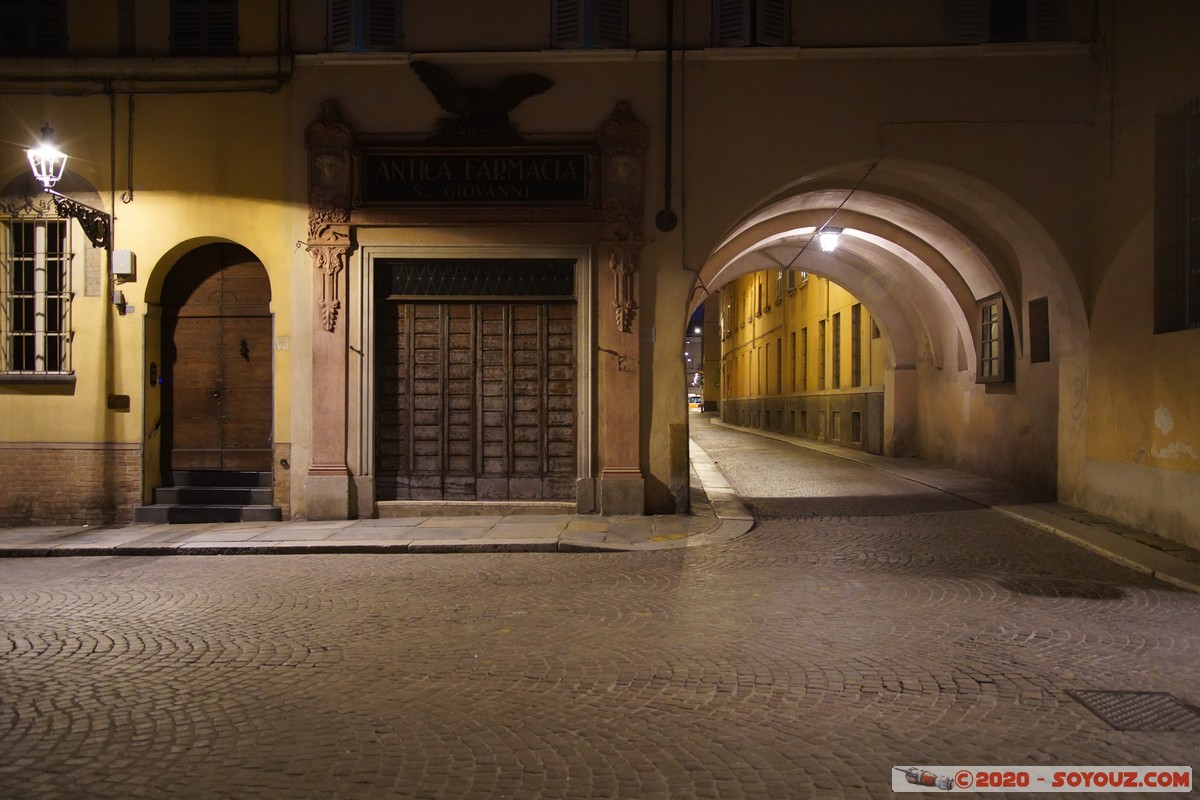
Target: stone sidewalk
(717, 515)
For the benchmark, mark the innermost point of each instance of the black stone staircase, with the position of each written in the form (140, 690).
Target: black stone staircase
(212, 496)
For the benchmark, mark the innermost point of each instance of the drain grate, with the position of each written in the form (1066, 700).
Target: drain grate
(1140, 711)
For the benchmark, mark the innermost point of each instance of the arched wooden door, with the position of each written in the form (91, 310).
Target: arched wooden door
(217, 369)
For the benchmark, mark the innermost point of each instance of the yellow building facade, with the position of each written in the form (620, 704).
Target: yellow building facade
(383, 255)
(802, 356)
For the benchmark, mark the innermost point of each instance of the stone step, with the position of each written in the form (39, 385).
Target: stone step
(212, 495)
(223, 478)
(171, 513)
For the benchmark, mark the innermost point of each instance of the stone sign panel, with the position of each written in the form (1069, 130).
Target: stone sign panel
(515, 176)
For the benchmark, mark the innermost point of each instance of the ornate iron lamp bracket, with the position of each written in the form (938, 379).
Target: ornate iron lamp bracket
(96, 224)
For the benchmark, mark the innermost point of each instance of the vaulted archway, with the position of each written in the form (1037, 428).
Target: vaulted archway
(921, 246)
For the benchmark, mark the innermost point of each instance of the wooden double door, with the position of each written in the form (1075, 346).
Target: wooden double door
(475, 400)
(217, 362)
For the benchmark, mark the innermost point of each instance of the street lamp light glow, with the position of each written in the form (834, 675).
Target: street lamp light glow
(46, 160)
(829, 239)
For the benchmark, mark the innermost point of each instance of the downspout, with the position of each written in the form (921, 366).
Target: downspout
(666, 220)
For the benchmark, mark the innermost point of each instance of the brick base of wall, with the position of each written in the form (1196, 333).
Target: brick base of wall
(68, 484)
(282, 473)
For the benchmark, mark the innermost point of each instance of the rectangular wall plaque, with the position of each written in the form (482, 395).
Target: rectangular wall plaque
(470, 177)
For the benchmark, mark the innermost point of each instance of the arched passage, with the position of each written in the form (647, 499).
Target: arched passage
(922, 247)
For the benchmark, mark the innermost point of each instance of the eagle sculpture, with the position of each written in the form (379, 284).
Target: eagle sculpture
(482, 113)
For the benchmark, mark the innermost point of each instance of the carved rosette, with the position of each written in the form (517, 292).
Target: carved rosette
(330, 145)
(623, 142)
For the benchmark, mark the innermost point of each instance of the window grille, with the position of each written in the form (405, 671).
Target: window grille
(36, 282)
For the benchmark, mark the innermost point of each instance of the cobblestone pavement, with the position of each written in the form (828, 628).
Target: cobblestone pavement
(875, 623)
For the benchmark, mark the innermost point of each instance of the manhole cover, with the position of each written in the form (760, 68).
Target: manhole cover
(1140, 711)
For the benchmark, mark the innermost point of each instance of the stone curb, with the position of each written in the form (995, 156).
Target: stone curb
(730, 520)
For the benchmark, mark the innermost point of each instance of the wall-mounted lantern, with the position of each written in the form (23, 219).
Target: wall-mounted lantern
(48, 164)
(830, 238)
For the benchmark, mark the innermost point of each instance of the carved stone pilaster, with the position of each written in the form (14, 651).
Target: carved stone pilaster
(330, 145)
(623, 261)
(623, 142)
(330, 254)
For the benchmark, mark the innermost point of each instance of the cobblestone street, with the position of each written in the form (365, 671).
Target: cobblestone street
(867, 621)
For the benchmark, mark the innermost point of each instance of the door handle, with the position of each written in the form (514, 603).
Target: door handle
(245, 350)
(216, 394)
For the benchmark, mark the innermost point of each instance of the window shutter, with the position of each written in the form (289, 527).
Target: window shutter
(567, 24)
(967, 21)
(187, 27)
(773, 22)
(731, 23)
(611, 23)
(1169, 138)
(341, 25)
(222, 27)
(383, 25)
(1047, 21)
(50, 28)
(1191, 220)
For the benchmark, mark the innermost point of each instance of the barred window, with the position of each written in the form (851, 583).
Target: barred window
(36, 282)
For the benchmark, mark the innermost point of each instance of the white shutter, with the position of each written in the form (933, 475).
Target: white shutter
(967, 21)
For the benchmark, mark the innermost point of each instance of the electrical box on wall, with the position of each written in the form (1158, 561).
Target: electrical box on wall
(124, 264)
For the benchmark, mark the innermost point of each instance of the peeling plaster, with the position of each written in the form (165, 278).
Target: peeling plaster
(1163, 420)
(1175, 450)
